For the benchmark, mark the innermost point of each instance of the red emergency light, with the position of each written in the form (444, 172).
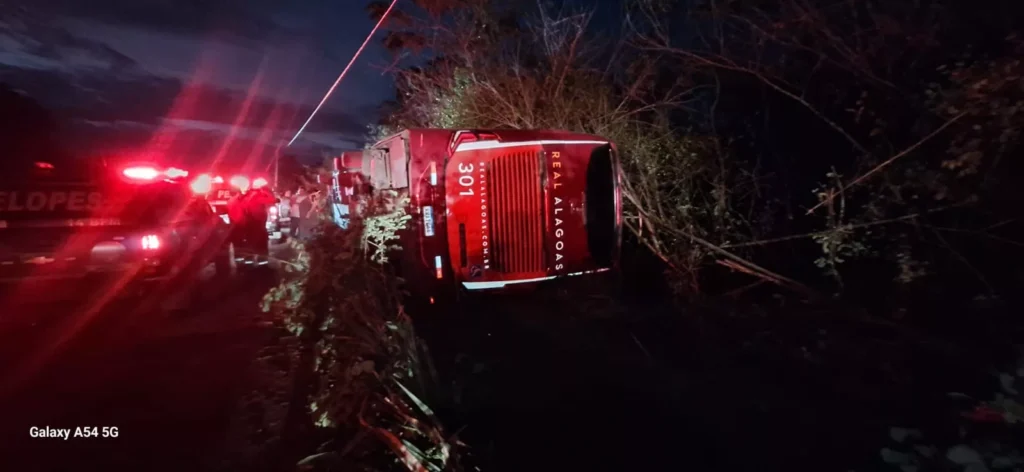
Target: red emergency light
(150, 173)
(202, 184)
(141, 173)
(259, 182)
(174, 172)
(240, 182)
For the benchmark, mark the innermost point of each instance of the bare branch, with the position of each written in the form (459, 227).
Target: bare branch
(889, 161)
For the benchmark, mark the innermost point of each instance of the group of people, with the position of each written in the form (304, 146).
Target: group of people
(248, 214)
(249, 209)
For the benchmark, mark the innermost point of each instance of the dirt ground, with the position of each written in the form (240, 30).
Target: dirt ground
(167, 382)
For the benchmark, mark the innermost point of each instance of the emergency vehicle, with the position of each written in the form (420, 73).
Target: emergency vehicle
(494, 209)
(81, 220)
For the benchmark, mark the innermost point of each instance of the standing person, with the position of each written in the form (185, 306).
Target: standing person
(308, 209)
(295, 210)
(286, 208)
(237, 219)
(257, 205)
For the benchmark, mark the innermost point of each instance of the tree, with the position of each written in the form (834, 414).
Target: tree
(292, 174)
(877, 87)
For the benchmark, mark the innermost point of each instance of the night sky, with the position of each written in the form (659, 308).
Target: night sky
(172, 77)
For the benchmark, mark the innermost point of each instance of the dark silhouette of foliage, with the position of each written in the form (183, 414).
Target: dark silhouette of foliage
(27, 128)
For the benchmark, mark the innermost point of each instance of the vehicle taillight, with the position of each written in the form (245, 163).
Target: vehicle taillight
(437, 266)
(202, 184)
(240, 182)
(259, 182)
(433, 173)
(150, 242)
(43, 165)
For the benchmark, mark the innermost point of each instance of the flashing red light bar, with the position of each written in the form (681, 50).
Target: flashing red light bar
(174, 173)
(152, 173)
(141, 173)
(202, 184)
(259, 182)
(240, 182)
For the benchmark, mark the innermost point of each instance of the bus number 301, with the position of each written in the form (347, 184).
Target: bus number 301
(466, 179)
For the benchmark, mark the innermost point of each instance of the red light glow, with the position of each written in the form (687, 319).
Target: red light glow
(202, 184)
(141, 173)
(174, 172)
(259, 182)
(150, 242)
(240, 182)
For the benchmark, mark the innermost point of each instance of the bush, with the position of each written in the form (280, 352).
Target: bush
(361, 369)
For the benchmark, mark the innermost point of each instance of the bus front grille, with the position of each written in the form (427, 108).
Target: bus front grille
(516, 207)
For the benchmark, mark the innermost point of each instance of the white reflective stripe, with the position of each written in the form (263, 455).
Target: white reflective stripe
(73, 223)
(479, 145)
(573, 274)
(502, 283)
(437, 262)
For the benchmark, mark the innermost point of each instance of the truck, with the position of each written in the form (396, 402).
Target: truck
(138, 225)
(493, 209)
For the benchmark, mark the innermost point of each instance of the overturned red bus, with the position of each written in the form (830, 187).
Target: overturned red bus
(497, 208)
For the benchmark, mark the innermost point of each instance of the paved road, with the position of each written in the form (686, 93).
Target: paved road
(168, 383)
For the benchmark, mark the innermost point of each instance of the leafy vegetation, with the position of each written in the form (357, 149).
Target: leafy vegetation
(359, 371)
